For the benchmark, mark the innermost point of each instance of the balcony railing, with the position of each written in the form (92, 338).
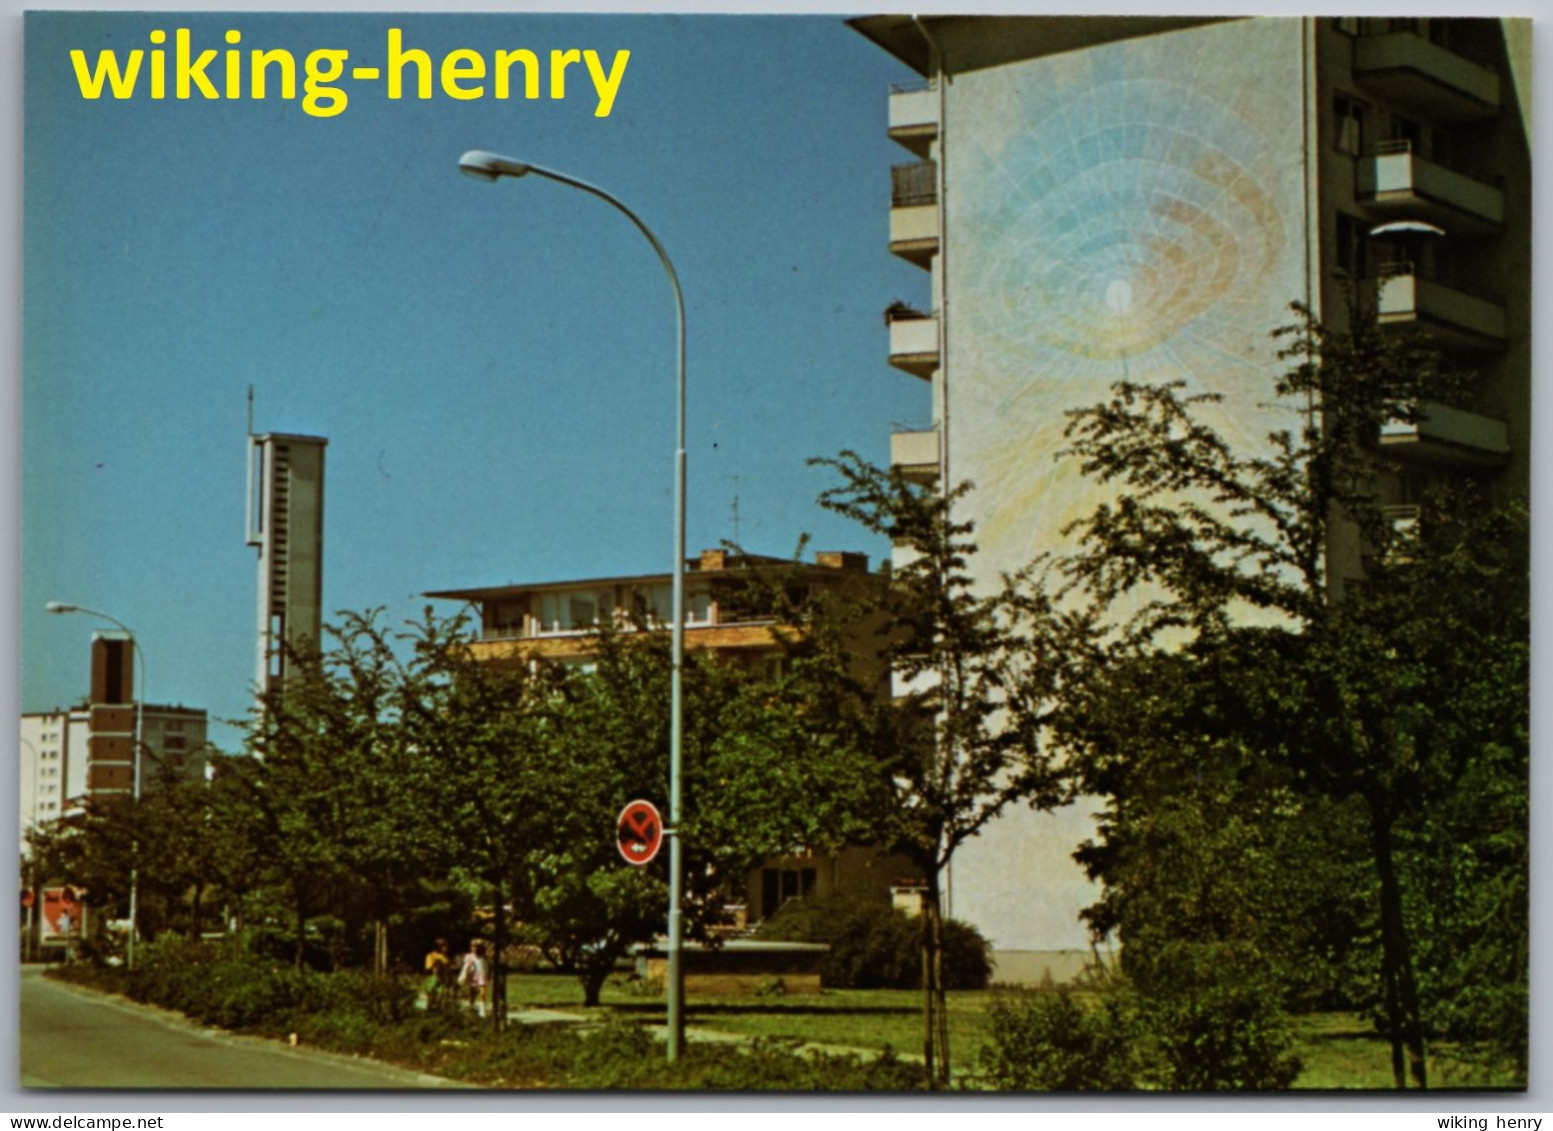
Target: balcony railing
(1456, 317)
(1396, 181)
(915, 454)
(1442, 434)
(1397, 268)
(914, 183)
(1404, 145)
(914, 116)
(1409, 25)
(913, 340)
(1431, 78)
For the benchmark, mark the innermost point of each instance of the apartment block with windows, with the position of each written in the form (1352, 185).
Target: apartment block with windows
(71, 756)
(560, 620)
(727, 610)
(1095, 199)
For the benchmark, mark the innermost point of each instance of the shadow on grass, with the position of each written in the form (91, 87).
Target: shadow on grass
(769, 1009)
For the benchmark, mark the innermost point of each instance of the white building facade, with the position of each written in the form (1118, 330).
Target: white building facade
(1123, 198)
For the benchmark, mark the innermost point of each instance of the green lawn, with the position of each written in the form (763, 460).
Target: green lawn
(1337, 1050)
(865, 1019)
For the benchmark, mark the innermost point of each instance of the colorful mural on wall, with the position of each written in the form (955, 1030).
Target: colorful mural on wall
(1133, 211)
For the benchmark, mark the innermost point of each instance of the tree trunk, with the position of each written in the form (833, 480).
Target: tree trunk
(300, 942)
(1395, 950)
(380, 946)
(928, 1029)
(940, 998)
(935, 1025)
(1388, 978)
(592, 978)
(498, 971)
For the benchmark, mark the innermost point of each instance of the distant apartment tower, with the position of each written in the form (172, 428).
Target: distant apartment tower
(1099, 199)
(70, 757)
(286, 524)
(110, 734)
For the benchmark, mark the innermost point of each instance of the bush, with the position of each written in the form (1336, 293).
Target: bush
(1227, 1036)
(1214, 1014)
(1041, 1041)
(354, 1012)
(874, 946)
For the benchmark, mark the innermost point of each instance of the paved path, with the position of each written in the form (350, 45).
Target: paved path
(74, 1038)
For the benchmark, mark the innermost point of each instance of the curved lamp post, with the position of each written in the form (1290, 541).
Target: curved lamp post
(140, 701)
(491, 167)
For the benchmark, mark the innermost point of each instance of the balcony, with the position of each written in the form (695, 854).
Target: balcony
(1451, 315)
(914, 212)
(914, 116)
(1397, 182)
(915, 455)
(913, 341)
(1403, 520)
(1426, 78)
(1449, 436)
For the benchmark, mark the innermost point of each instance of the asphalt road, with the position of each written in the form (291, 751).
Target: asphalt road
(72, 1038)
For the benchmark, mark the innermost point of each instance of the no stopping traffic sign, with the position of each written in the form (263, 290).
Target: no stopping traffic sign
(639, 832)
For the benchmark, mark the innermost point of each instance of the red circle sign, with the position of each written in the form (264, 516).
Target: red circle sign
(639, 832)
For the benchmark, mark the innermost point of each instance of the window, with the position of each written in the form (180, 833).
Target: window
(573, 612)
(1413, 487)
(1348, 125)
(506, 615)
(778, 885)
(652, 605)
(583, 611)
(1352, 246)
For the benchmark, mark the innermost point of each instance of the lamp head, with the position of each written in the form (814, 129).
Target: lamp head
(60, 607)
(490, 166)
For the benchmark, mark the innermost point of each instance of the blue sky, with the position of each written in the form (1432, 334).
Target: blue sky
(492, 364)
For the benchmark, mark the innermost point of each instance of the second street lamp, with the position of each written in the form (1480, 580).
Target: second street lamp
(140, 703)
(490, 167)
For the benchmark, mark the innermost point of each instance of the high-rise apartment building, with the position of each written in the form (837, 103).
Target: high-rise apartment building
(1122, 198)
(61, 750)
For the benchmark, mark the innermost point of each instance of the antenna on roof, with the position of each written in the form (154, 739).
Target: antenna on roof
(734, 509)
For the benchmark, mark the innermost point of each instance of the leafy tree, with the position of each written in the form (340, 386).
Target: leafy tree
(482, 730)
(974, 676)
(338, 782)
(1355, 690)
(608, 746)
(756, 784)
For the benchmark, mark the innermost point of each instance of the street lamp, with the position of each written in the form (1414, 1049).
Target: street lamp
(490, 167)
(140, 701)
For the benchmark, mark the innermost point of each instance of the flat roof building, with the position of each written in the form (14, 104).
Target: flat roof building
(727, 611)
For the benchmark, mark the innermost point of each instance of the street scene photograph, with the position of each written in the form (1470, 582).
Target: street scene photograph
(687, 553)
